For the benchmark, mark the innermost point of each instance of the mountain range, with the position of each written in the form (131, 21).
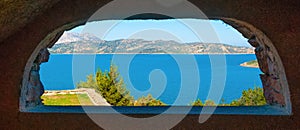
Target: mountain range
(88, 43)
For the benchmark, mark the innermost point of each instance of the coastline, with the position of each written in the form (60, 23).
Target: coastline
(245, 64)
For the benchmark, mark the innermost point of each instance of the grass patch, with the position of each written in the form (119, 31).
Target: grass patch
(66, 100)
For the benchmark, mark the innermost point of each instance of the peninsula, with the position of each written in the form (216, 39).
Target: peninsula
(251, 64)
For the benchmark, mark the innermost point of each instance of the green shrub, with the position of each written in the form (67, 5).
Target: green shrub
(198, 102)
(209, 103)
(148, 101)
(251, 97)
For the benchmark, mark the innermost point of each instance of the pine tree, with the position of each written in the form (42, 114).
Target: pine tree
(112, 87)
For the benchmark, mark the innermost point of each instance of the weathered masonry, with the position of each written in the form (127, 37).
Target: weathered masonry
(272, 27)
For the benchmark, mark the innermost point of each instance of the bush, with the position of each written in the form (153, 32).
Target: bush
(209, 103)
(251, 97)
(148, 101)
(198, 102)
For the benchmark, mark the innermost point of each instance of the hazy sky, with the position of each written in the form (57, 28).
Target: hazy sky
(180, 30)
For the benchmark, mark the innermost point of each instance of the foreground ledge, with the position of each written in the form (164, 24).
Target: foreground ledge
(221, 110)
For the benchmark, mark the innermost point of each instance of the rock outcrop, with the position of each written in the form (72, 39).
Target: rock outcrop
(35, 89)
(273, 80)
(270, 79)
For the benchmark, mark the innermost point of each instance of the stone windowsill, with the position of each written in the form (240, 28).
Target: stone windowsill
(221, 110)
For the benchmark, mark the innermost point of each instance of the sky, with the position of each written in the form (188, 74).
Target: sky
(180, 30)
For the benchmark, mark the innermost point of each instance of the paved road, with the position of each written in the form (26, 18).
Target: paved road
(95, 97)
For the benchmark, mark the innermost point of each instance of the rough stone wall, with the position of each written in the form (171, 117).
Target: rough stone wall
(279, 20)
(15, 14)
(275, 87)
(34, 89)
(273, 90)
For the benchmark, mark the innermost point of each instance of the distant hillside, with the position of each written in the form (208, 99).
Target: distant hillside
(87, 43)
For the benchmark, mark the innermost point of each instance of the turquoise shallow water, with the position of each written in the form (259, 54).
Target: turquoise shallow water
(175, 79)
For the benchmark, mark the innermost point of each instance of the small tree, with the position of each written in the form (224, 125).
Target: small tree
(89, 83)
(112, 87)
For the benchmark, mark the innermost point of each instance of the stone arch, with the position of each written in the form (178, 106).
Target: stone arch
(276, 89)
(275, 86)
(26, 23)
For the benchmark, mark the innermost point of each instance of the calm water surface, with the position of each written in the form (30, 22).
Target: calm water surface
(174, 79)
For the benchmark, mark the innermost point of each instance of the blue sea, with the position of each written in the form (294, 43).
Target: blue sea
(175, 79)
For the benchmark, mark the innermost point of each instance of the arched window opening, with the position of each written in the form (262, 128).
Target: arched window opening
(241, 88)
